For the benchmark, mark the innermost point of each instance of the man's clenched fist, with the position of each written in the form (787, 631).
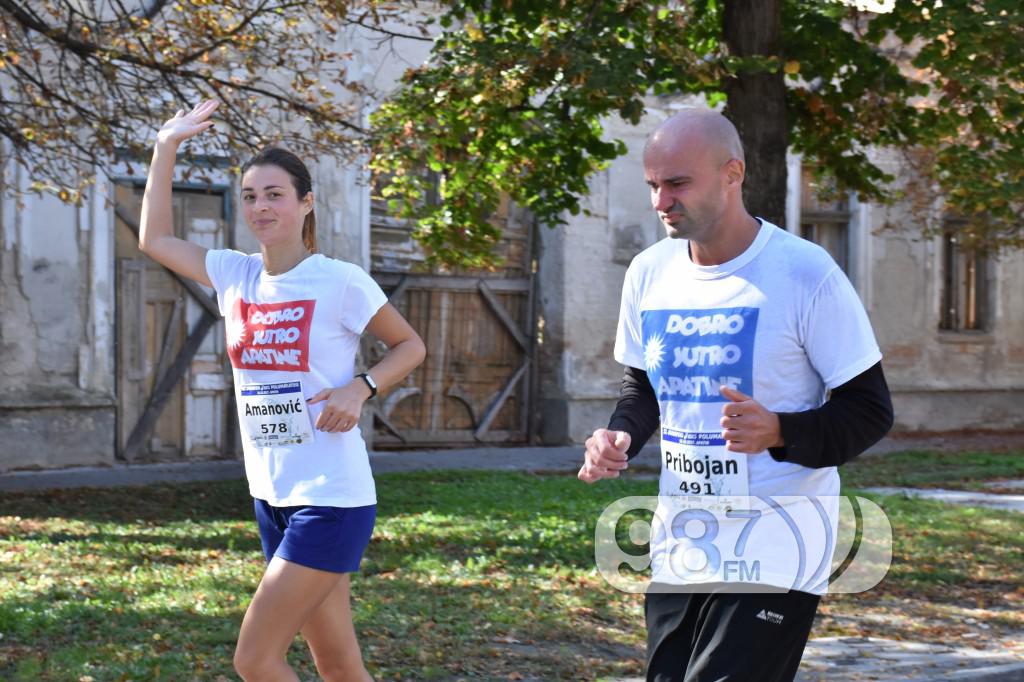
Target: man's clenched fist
(747, 426)
(605, 455)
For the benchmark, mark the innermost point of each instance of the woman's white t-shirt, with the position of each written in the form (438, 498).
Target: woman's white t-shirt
(289, 336)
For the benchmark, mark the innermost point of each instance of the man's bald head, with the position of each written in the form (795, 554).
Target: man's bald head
(694, 165)
(699, 126)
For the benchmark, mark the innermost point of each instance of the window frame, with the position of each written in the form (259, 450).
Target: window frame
(813, 220)
(956, 315)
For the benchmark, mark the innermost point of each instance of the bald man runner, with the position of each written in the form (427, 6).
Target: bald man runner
(749, 349)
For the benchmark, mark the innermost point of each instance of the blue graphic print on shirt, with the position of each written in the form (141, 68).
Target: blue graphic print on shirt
(689, 354)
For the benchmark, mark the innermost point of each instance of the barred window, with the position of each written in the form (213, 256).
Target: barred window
(964, 280)
(825, 217)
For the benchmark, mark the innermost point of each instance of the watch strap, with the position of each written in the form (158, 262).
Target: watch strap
(370, 383)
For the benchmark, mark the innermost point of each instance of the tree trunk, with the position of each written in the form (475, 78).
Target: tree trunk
(757, 104)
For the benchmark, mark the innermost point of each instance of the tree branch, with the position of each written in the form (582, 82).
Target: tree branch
(86, 50)
(390, 34)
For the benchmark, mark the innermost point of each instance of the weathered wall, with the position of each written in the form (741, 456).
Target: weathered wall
(581, 271)
(57, 362)
(59, 433)
(57, 369)
(940, 380)
(944, 380)
(56, 292)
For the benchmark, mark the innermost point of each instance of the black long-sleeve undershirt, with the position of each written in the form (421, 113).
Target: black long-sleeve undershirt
(637, 412)
(856, 416)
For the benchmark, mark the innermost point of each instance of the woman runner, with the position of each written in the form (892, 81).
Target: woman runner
(293, 319)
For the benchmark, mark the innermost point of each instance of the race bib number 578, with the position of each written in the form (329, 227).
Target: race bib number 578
(274, 414)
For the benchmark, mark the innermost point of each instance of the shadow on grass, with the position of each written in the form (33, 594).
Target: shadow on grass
(61, 635)
(383, 557)
(168, 503)
(409, 629)
(117, 543)
(925, 469)
(496, 629)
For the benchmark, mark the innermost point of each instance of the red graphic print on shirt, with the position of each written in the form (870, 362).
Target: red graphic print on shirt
(272, 336)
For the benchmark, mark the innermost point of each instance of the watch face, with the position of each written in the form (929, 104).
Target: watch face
(370, 381)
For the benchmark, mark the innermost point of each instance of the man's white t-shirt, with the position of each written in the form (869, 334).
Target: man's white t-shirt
(289, 336)
(780, 323)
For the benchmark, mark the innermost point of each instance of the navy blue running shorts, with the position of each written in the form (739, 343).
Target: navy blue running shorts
(325, 538)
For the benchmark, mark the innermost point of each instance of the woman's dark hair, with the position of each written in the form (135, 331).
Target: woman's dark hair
(293, 166)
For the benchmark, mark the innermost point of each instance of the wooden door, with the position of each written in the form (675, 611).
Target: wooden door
(173, 388)
(475, 384)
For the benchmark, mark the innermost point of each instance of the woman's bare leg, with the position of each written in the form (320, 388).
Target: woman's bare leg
(332, 638)
(287, 596)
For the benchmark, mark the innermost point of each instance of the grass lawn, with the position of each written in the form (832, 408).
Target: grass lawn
(956, 575)
(470, 575)
(951, 470)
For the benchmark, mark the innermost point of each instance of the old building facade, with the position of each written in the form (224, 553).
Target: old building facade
(106, 358)
(950, 322)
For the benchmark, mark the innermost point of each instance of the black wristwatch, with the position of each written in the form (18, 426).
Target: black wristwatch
(369, 382)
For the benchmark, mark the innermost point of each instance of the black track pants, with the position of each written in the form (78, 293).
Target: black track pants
(719, 637)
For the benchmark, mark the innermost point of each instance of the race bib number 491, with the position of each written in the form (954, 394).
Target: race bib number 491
(274, 414)
(697, 463)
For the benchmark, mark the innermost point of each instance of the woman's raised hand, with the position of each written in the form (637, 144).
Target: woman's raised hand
(183, 126)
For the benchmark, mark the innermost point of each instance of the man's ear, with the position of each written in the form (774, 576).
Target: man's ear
(735, 171)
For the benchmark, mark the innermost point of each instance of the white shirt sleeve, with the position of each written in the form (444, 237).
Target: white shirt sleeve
(837, 334)
(361, 300)
(629, 345)
(224, 267)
